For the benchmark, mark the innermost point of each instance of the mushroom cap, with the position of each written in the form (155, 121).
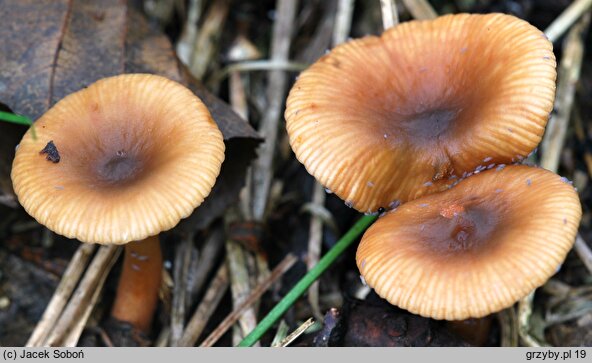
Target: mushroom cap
(390, 118)
(474, 249)
(137, 153)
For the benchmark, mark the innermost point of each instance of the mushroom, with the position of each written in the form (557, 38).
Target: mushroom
(117, 163)
(383, 120)
(474, 249)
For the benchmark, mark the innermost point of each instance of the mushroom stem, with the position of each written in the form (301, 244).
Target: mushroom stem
(139, 283)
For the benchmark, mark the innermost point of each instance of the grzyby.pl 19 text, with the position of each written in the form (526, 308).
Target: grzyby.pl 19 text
(556, 355)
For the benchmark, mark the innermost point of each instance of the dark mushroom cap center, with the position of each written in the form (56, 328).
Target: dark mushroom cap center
(119, 167)
(460, 228)
(115, 157)
(113, 153)
(428, 125)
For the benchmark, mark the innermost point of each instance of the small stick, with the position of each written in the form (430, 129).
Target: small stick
(206, 262)
(508, 325)
(82, 296)
(583, 252)
(208, 35)
(524, 313)
(242, 50)
(257, 65)
(182, 262)
(280, 334)
(163, 337)
(296, 333)
(258, 291)
(74, 335)
(420, 9)
(315, 241)
(62, 294)
(206, 308)
(283, 28)
(240, 286)
(567, 77)
(390, 16)
(566, 19)
(343, 21)
(187, 41)
(160, 10)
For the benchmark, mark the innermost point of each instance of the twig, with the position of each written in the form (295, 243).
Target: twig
(238, 97)
(296, 333)
(206, 308)
(420, 9)
(343, 21)
(281, 334)
(61, 295)
(390, 16)
(82, 296)
(161, 10)
(242, 50)
(182, 262)
(314, 248)
(320, 41)
(524, 313)
(207, 37)
(163, 337)
(583, 252)
(206, 261)
(240, 286)
(74, 335)
(508, 327)
(283, 29)
(567, 77)
(258, 65)
(566, 19)
(307, 280)
(258, 291)
(187, 40)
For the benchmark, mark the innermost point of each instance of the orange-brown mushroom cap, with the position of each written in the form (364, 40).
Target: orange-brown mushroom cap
(137, 153)
(390, 118)
(474, 249)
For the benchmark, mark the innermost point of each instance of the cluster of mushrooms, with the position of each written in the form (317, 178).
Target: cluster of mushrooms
(421, 123)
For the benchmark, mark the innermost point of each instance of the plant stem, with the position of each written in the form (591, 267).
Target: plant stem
(307, 280)
(19, 120)
(16, 119)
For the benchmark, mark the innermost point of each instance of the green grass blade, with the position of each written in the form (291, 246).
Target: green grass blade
(15, 119)
(19, 120)
(307, 280)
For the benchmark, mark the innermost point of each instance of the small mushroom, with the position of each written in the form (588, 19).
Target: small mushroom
(425, 101)
(138, 153)
(472, 251)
